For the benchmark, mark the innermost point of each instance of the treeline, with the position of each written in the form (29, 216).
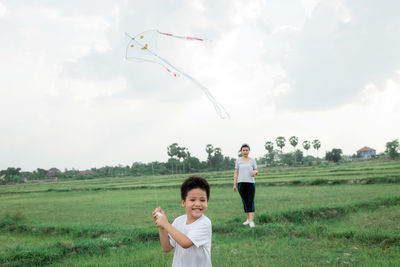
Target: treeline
(180, 161)
(275, 157)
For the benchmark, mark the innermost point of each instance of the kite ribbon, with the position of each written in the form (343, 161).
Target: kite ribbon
(182, 37)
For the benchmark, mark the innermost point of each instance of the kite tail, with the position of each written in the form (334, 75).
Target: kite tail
(219, 109)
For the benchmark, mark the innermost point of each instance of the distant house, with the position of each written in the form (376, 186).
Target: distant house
(52, 172)
(88, 172)
(366, 152)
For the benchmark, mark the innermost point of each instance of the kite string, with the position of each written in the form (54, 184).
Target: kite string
(154, 185)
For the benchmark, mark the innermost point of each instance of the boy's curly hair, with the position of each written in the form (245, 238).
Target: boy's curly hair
(194, 182)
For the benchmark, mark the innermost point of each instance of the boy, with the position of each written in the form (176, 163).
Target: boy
(189, 234)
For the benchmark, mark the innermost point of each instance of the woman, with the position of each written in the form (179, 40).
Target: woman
(245, 170)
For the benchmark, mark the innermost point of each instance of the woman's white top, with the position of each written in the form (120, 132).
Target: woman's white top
(245, 169)
(200, 233)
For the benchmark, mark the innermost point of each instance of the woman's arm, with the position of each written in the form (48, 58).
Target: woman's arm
(235, 177)
(255, 171)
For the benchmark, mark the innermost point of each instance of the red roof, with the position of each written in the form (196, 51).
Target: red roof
(52, 171)
(366, 149)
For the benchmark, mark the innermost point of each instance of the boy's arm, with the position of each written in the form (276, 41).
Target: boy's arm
(164, 240)
(179, 237)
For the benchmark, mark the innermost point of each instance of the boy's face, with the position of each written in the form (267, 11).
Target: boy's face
(195, 203)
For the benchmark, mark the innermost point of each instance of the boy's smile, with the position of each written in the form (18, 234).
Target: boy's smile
(195, 204)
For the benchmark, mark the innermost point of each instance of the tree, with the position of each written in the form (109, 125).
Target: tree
(209, 150)
(172, 151)
(270, 158)
(294, 141)
(306, 146)
(316, 145)
(193, 163)
(188, 159)
(280, 142)
(335, 155)
(182, 154)
(217, 159)
(298, 156)
(392, 149)
(11, 175)
(269, 146)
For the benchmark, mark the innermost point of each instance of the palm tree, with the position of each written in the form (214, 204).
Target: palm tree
(294, 141)
(269, 146)
(280, 142)
(184, 154)
(181, 154)
(172, 151)
(188, 157)
(316, 144)
(209, 150)
(218, 158)
(306, 146)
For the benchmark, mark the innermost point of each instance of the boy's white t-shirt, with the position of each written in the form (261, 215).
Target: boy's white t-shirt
(199, 232)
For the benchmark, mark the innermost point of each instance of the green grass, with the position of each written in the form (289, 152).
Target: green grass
(135, 207)
(333, 215)
(363, 171)
(382, 221)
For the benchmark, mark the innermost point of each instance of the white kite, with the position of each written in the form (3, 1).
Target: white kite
(143, 48)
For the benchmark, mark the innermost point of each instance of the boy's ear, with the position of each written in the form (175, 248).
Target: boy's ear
(183, 202)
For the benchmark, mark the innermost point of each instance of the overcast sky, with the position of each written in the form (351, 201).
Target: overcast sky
(327, 70)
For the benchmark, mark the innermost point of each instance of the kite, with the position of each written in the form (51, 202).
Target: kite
(143, 48)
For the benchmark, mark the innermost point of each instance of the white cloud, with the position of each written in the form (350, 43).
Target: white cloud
(340, 50)
(3, 9)
(71, 100)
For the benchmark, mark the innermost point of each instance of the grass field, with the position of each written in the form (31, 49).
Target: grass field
(329, 215)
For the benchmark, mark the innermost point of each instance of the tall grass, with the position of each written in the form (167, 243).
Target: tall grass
(311, 216)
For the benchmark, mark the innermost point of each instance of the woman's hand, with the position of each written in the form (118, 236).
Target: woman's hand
(254, 173)
(234, 188)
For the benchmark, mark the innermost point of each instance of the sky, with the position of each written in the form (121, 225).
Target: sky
(315, 69)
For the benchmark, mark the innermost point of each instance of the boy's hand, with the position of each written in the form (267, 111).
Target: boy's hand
(234, 188)
(160, 221)
(254, 173)
(156, 213)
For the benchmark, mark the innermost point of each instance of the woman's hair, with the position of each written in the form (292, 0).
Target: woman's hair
(194, 182)
(244, 145)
